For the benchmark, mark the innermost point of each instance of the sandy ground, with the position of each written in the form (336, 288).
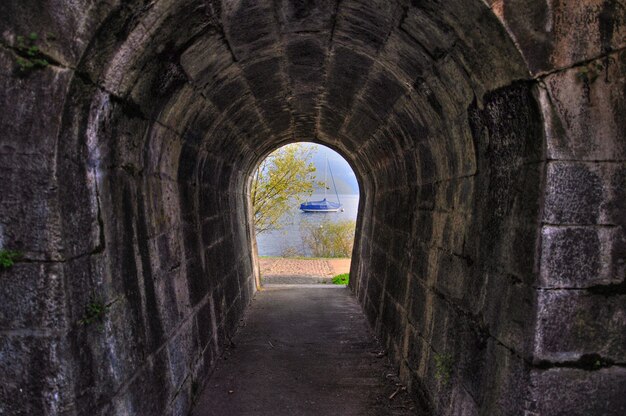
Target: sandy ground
(276, 266)
(279, 270)
(340, 266)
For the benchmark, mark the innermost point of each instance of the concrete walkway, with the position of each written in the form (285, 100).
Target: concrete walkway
(305, 350)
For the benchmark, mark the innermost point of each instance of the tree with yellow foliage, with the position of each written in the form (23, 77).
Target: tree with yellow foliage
(286, 177)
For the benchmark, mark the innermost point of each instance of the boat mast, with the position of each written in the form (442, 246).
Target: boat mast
(334, 185)
(325, 177)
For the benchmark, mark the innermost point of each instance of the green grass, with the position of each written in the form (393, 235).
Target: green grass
(341, 279)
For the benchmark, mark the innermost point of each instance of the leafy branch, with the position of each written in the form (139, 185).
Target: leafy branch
(284, 176)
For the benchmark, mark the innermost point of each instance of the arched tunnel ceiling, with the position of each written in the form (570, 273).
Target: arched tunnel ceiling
(491, 226)
(379, 81)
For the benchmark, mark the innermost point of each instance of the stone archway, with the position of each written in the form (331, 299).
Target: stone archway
(490, 145)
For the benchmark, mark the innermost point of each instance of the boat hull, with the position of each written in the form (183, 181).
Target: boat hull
(320, 210)
(320, 206)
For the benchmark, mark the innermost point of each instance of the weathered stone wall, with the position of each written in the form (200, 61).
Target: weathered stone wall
(488, 138)
(112, 197)
(503, 293)
(451, 293)
(578, 348)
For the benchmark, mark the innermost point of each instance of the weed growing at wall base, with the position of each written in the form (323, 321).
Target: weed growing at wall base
(31, 57)
(95, 311)
(590, 73)
(443, 367)
(8, 258)
(341, 279)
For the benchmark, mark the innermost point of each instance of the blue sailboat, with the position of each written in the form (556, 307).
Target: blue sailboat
(320, 206)
(324, 205)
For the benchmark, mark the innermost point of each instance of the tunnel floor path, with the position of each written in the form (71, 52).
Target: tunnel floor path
(304, 350)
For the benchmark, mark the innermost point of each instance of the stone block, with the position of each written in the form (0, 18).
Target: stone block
(251, 28)
(505, 307)
(347, 72)
(365, 24)
(203, 68)
(411, 58)
(550, 35)
(504, 381)
(173, 301)
(307, 53)
(452, 275)
(163, 154)
(361, 123)
(166, 252)
(182, 351)
(36, 377)
(432, 34)
(80, 205)
(462, 403)
(179, 108)
(516, 250)
(463, 154)
(224, 94)
(576, 392)
(63, 36)
(419, 308)
(152, 389)
(417, 351)
(407, 125)
(33, 297)
(129, 136)
(575, 323)
(583, 108)
(265, 79)
(392, 328)
(27, 156)
(298, 17)
(584, 193)
(397, 281)
(581, 257)
(455, 232)
(29, 202)
(454, 75)
(382, 91)
(197, 280)
(123, 67)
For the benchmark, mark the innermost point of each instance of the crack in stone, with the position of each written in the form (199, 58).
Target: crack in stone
(586, 362)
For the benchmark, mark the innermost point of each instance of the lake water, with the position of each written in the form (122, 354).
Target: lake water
(289, 238)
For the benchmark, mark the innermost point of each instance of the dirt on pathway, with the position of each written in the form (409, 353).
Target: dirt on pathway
(304, 351)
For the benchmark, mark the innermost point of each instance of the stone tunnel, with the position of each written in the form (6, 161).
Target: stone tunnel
(488, 137)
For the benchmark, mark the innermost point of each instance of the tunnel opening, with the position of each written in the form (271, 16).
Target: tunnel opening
(305, 203)
(160, 142)
(161, 129)
(467, 123)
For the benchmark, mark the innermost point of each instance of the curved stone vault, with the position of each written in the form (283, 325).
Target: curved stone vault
(488, 137)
